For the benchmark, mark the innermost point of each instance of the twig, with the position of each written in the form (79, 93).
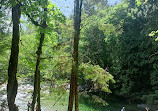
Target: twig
(58, 99)
(153, 54)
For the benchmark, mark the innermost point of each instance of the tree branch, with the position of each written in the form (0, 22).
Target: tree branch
(53, 57)
(28, 15)
(33, 21)
(47, 58)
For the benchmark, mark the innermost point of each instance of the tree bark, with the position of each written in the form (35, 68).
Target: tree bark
(37, 74)
(39, 93)
(75, 65)
(72, 90)
(12, 85)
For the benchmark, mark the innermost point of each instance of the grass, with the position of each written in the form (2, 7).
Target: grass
(58, 101)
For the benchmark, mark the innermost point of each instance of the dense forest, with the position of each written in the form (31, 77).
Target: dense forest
(99, 55)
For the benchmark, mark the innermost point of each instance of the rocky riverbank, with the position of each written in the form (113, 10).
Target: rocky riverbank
(23, 96)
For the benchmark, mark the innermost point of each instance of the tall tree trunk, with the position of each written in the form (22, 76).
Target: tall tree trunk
(12, 85)
(37, 72)
(76, 43)
(74, 72)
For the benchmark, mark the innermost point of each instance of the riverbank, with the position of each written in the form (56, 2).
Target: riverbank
(57, 100)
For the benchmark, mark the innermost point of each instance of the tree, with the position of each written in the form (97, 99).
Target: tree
(37, 71)
(46, 9)
(90, 7)
(124, 31)
(150, 9)
(74, 73)
(12, 85)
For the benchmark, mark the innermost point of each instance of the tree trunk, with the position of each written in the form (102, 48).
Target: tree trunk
(74, 72)
(37, 72)
(12, 85)
(72, 90)
(39, 93)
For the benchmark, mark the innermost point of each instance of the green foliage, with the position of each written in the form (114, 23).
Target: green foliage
(117, 37)
(154, 33)
(93, 37)
(92, 99)
(27, 58)
(35, 12)
(112, 37)
(97, 75)
(139, 2)
(5, 41)
(151, 98)
(58, 67)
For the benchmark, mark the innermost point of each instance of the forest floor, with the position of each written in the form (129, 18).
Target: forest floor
(58, 100)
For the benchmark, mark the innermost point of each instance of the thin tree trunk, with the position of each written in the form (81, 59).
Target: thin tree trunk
(12, 85)
(74, 73)
(76, 92)
(37, 71)
(37, 74)
(39, 93)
